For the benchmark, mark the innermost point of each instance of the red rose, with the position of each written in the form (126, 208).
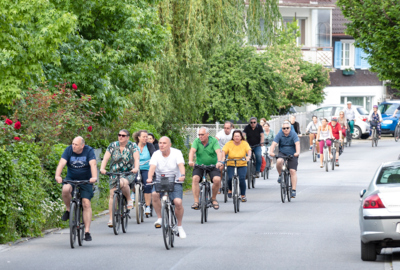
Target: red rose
(74, 86)
(17, 125)
(90, 128)
(54, 95)
(17, 138)
(9, 122)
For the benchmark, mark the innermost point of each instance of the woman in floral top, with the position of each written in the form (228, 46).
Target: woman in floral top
(124, 156)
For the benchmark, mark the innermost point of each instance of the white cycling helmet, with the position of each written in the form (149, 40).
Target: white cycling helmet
(349, 102)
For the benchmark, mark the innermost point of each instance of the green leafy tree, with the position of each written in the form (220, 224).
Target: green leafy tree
(374, 24)
(30, 33)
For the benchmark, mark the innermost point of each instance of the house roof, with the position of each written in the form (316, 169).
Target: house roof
(308, 3)
(338, 21)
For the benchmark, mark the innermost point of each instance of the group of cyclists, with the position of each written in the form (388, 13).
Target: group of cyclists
(141, 157)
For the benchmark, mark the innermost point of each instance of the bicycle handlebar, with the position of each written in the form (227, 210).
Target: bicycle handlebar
(235, 159)
(257, 145)
(205, 167)
(76, 182)
(118, 174)
(289, 157)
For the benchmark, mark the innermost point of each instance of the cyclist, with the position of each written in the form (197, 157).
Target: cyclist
(289, 144)
(168, 161)
(375, 117)
(324, 133)
(312, 128)
(146, 151)
(237, 148)
(269, 136)
(337, 134)
(295, 125)
(223, 137)
(153, 140)
(207, 152)
(350, 115)
(254, 134)
(124, 156)
(81, 164)
(343, 122)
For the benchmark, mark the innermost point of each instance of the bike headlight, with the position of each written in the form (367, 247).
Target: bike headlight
(388, 122)
(283, 167)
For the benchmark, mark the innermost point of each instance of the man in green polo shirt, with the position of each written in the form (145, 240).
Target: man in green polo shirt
(207, 152)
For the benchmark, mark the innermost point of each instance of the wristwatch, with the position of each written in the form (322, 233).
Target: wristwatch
(182, 175)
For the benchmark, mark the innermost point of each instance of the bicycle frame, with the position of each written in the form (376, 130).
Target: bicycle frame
(235, 185)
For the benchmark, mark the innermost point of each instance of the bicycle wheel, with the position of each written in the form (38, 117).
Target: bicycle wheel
(289, 187)
(239, 199)
(72, 224)
(208, 201)
(314, 156)
(81, 225)
(116, 213)
(234, 194)
(249, 174)
(138, 199)
(225, 186)
(253, 179)
(124, 215)
(326, 159)
(333, 161)
(203, 203)
(165, 225)
(283, 188)
(397, 133)
(376, 139)
(373, 137)
(142, 204)
(173, 225)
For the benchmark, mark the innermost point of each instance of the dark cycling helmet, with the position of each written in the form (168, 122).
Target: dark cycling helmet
(334, 119)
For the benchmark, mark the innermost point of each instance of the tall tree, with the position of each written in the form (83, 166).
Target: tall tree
(375, 26)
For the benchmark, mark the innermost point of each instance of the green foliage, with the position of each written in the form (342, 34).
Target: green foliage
(8, 133)
(140, 125)
(317, 76)
(30, 33)
(374, 24)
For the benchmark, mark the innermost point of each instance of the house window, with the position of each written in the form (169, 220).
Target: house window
(347, 56)
(323, 30)
(301, 23)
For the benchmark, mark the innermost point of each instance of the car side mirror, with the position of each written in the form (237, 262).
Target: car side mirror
(362, 192)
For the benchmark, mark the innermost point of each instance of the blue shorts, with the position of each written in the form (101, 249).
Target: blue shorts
(177, 193)
(85, 190)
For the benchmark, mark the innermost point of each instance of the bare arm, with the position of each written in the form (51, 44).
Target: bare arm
(136, 156)
(181, 167)
(297, 144)
(262, 138)
(220, 158)
(319, 131)
(272, 149)
(60, 167)
(106, 157)
(248, 155)
(151, 173)
(330, 131)
(93, 169)
(191, 156)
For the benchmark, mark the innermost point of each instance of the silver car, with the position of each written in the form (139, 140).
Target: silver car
(380, 212)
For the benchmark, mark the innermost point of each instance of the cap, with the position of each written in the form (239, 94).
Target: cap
(375, 106)
(348, 102)
(334, 119)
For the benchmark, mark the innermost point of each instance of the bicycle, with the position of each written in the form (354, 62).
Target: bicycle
(235, 186)
(374, 133)
(140, 202)
(314, 150)
(120, 211)
(267, 158)
(333, 152)
(76, 224)
(224, 183)
(326, 155)
(169, 221)
(397, 130)
(286, 181)
(205, 192)
(349, 136)
(251, 168)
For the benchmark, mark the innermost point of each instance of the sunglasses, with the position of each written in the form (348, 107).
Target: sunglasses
(253, 122)
(122, 135)
(285, 128)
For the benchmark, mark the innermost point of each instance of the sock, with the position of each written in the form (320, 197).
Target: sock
(179, 227)
(293, 190)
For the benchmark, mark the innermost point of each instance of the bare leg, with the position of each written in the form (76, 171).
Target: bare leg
(322, 159)
(124, 184)
(147, 198)
(157, 204)
(293, 177)
(215, 187)
(178, 210)
(66, 195)
(196, 188)
(279, 164)
(87, 213)
(110, 203)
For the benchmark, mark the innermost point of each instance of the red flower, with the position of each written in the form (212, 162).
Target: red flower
(90, 128)
(17, 138)
(9, 122)
(54, 95)
(17, 125)
(74, 86)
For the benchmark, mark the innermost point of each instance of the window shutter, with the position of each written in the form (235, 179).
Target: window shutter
(338, 54)
(357, 58)
(364, 60)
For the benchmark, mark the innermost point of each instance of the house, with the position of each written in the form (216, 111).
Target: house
(323, 40)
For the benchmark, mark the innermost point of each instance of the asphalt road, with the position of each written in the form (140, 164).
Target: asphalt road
(317, 230)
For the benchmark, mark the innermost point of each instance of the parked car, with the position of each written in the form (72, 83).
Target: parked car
(379, 213)
(387, 109)
(361, 125)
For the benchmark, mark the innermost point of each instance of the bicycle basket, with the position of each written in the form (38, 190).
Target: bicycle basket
(166, 184)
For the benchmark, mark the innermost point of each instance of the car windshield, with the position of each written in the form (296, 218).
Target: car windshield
(389, 175)
(362, 111)
(390, 108)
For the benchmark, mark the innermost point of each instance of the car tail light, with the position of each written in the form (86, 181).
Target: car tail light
(373, 201)
(365, 119)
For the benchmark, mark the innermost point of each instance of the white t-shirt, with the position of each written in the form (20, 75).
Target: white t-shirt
(223, 138)
(168, 165)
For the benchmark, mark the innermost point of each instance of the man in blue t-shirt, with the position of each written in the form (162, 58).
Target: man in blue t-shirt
(289, 144)
(81, 163)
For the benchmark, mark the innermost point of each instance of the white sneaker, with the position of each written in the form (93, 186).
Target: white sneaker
(157, 224)
(181, 232)
(132, 196)
(147, 211)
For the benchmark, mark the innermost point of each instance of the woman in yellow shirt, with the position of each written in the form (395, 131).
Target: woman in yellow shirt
(237, 148)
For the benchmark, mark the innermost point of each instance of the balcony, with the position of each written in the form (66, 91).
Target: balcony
(318, 55)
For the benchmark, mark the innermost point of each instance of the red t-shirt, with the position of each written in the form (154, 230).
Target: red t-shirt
(335, 130)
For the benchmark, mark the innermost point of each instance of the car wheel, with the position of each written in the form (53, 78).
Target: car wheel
(364, 136)
(357, 133)
(368, 252)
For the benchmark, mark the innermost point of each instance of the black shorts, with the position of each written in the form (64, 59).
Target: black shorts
(85, 190)
(215, 172)
(292, 163)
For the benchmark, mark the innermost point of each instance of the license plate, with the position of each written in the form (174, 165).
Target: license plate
(398, 228)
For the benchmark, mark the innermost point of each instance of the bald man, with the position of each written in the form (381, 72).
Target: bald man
(81, 163)
(168, 161)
